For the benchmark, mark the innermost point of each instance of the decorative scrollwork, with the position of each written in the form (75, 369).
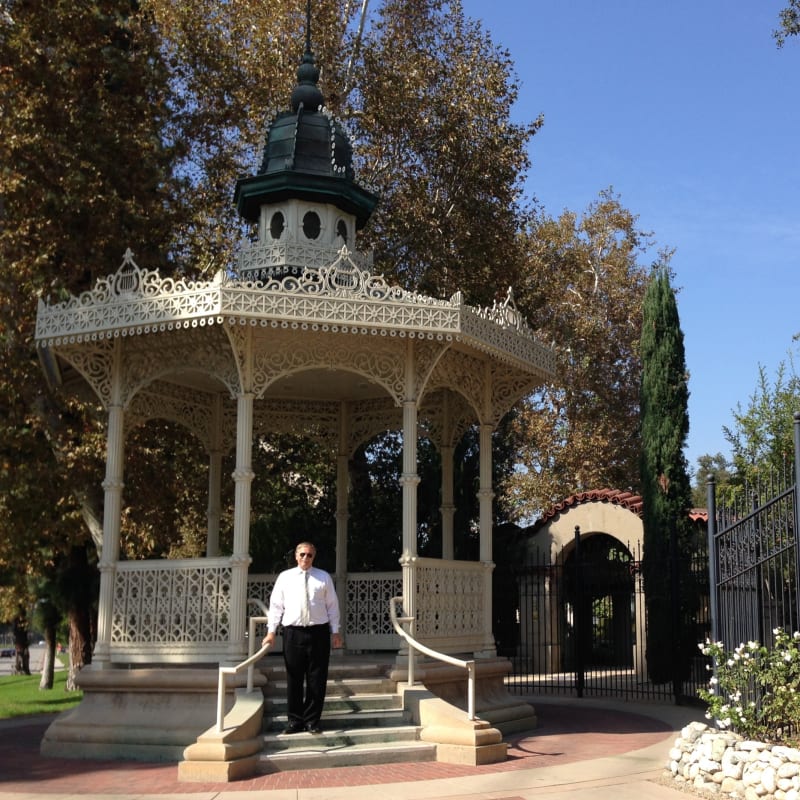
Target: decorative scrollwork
(169, 604)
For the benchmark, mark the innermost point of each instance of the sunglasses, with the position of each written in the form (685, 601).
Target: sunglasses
(305, 555)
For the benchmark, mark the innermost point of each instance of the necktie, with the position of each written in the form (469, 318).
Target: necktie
(305, 618)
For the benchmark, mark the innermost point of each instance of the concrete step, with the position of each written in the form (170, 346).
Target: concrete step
(337, 687)
(317, 755)
(378, 718)
(334, 736)
(363, 722)
(336, 703)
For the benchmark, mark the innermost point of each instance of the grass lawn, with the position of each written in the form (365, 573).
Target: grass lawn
(20, 695)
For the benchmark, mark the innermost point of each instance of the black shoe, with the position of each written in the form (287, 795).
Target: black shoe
(293, 729)
(314, 728)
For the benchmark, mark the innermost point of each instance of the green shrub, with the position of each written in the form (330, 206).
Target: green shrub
(754, 690)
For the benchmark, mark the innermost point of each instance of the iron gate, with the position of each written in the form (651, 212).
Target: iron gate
(576, 624)
(754, 540)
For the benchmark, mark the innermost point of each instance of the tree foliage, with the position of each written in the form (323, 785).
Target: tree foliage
(583, 290)
(717, 467)
(86, 171)
(789, 18)
(438, 145)
(666, 491)
(762, 434)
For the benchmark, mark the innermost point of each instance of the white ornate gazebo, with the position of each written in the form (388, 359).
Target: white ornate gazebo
(299, 336)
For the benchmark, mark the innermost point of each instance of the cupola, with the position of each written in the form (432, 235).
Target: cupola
(304, 192)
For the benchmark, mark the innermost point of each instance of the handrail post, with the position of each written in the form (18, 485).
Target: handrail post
(412, 655)
(471, 690)
(220, 701)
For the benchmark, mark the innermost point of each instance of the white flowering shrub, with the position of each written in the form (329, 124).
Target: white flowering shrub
(755, 690)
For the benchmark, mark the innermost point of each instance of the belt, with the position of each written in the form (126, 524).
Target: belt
(307, 627)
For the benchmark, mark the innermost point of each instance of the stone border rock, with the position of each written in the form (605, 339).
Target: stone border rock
(721, 763)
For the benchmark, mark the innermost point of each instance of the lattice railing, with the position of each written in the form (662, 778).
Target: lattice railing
(453, 594)
(366, 623)
(177, 610)
(171, 608)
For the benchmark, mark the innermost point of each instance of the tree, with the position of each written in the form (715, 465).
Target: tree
(432, 123)
(762, 435)
(87, 171)
(789, 22)
(708, 466)
(583, 290)
(666, 491)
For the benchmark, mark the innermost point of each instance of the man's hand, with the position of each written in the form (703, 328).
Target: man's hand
(338, 642)
(268, 639)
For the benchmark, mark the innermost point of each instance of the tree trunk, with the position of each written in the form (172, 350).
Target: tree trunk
(79, 614)
(49, 662)
(22, 663)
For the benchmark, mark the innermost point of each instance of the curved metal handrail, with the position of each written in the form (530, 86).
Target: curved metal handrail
(415, 645)
(247, 664)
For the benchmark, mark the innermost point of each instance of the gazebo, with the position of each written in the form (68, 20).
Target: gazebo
(299, 336)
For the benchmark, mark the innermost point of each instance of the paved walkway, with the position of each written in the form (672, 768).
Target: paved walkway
(592, 750)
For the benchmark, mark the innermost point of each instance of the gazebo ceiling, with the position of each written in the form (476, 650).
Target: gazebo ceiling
(325, 384)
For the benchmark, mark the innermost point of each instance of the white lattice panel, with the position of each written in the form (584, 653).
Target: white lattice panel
(449, 600)
(368, 598)
(366, 624)
(171, 603)
(259, 587)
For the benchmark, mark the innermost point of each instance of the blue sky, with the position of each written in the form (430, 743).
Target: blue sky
(691, 113)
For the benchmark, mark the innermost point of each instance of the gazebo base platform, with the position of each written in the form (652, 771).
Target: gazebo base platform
(145, 714)
(493, 702)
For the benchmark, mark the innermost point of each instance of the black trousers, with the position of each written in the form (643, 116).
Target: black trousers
(306, 653)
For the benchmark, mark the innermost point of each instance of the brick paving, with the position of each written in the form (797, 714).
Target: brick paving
(565, 734)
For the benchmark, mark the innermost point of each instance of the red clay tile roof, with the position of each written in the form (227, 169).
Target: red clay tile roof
(633, 502)
(700, 514)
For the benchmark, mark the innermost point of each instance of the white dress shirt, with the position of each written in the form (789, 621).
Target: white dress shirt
(286, 600)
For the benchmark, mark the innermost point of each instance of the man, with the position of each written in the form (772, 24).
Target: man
(304, 601)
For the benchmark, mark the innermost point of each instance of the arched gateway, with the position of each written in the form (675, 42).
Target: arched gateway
(301, 337)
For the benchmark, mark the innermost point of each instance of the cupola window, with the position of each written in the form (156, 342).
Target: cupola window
(311, 225)
(276, 225)
(341, 230)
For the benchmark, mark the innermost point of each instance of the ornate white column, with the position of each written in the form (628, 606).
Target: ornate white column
(214, 480)
(240, 560)
(485, 497)
(112, 512)
(342, 512)
(409, 481)
(448, 508)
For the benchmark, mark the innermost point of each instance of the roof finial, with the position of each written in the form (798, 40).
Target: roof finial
(308, 26)
(307, 93)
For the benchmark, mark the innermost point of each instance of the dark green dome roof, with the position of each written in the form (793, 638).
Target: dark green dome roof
(307, 155)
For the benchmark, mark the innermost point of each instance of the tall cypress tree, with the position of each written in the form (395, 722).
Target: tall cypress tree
(666, 489)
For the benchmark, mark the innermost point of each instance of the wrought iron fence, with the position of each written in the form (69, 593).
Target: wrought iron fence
(755, 557)
(576, 624)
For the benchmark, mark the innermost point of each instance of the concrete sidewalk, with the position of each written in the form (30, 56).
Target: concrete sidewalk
(588, 749)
